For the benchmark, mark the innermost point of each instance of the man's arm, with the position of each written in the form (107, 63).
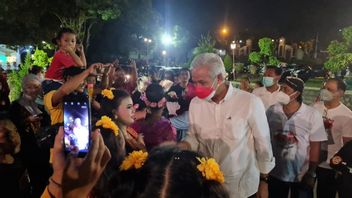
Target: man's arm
(309, 177)
(72, 84)
(347, 130)
(314, 154)
(134, 75)
(260, 129)
(105, 81)
(317, 135)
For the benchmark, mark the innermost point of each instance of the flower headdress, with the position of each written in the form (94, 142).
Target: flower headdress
(210, 169)
(108, 94)
(159, 104)
(107, 123)
(134, 160)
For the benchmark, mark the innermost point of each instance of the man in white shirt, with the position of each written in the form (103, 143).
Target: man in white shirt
(338, 126)
(271, 87)
(296, 131)
(229, 125)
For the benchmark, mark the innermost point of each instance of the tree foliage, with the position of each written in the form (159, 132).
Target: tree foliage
(266, 53)
(228, 63)
(41, 58)
(14, 78)
(205, 44)
(255, 57)
(340, 52)
(26, 22)
(30, 22)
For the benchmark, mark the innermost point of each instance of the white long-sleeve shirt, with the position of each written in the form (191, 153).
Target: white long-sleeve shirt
(235, 132)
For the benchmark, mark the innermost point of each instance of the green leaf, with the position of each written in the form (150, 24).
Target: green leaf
(228, 63)
(40, 58)
(255, 57)
(336, 47)
(15, 78)
(266, 46)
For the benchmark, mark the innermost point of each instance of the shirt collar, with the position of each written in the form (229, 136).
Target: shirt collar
(229, 92)
(228, 95)
(278, 89)
(301, 110)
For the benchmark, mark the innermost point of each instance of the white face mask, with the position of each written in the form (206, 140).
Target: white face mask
(326, 95)
(283, 98)
(212, 94)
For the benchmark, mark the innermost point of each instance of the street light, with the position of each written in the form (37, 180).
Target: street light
(233, 47)
(166, 39)
(164, 57)
(147, 41)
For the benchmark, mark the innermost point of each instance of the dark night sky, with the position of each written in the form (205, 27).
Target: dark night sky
(294, 19)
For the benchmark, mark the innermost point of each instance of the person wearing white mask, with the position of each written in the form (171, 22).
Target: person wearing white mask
(338, 126)
(271, 87)
(229, 125)
(296, 131)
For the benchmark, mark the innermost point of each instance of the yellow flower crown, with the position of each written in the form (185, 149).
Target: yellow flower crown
(107, 123)
(134, 160)
(210, 169)
(108, 94)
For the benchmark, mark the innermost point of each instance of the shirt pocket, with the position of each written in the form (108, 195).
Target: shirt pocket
(234, 129)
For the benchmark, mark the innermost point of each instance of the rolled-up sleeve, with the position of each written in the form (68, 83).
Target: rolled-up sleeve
(260, 130)
(191, 133)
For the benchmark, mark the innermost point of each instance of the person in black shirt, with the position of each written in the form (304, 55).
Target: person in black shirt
(342, 164)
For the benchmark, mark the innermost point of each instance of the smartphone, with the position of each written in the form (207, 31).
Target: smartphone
(77, 124)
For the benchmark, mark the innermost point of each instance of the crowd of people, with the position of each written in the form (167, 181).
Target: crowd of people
(190, 134)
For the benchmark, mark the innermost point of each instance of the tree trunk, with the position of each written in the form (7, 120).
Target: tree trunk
(87, 43)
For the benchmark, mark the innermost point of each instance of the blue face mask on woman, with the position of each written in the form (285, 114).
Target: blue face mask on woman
(268, 81)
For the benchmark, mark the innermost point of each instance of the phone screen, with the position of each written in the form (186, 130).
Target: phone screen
(77, 125)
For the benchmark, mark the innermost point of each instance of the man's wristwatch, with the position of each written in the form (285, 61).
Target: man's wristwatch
(264, 179)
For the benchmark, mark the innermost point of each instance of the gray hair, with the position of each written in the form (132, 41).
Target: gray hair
(212, 61)
(29, 78)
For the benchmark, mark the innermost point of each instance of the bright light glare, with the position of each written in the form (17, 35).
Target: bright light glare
(233, 45)
(163, 52)
(166, 39)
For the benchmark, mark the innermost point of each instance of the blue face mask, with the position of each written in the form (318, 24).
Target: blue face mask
(268, 81)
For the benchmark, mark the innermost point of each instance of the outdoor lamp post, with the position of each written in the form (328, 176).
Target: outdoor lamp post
(164, 56)
(233, 48)
(147, 43)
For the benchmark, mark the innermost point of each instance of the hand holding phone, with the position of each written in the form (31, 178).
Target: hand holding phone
(77, 124)
(72, 171)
